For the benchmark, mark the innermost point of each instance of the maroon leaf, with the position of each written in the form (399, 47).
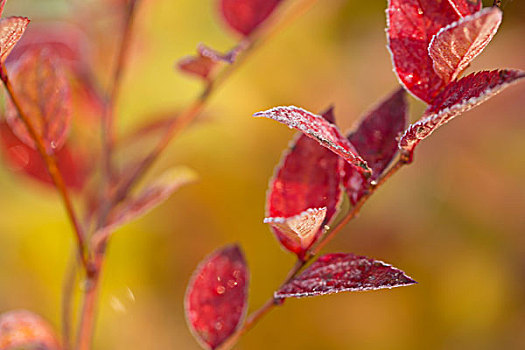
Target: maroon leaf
(215, 301)
(11, 30)
(21, 157)
(302, 229)
(411, 26)
(466, 7)
(334, 273)
(456, 45)
(22, 329)
(319, 129)
(245, 16)
(207, 60)
(376, 141)
(375, 138)
(43, 91)
(459, 97)
(149, 198)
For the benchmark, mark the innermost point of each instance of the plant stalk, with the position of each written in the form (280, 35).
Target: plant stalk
(272, 302)
(52, 169)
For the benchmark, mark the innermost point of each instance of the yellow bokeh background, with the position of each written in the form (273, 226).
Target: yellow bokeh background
(454, 220)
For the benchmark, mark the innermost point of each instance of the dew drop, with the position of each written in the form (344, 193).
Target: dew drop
(220, 290)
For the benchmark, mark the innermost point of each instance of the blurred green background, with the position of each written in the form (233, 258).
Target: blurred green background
(454, 220)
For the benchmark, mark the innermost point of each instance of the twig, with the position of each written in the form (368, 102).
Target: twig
(67, 299)
(89, 308)
(52, 169)
(108, 118)
(88, 315)
(190, 113)
(255, 316)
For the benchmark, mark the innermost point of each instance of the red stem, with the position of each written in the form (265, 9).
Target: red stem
(52, 169)
(258, 314)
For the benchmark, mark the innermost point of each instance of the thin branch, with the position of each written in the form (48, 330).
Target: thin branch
(108, 118)
(68, 287)
(189, 114)
(86, 326)
(255, 316)
(52, 169)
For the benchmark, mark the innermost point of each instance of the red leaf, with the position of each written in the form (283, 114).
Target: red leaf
(21, 157)
(245, 16)
(66, 40)
(215, 300)
(334, 273)
(149, 198)
(376, 141)
(72, 48)
(456, 45)
(207, 60)
(411, 26)
(299, 232)
(22, 329)
(375, 138)
(11, 30)
(43, 91)
(308, 176)
(319, 129)
(466, 7)
(459, 97)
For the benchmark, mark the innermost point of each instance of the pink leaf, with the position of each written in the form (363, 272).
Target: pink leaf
(308, 176)
(319, 129)
(334, 273)
(411, 26)
(466, 7)
(376, 141)
(25, 159)
(207, 60)
(11, 30)
(149, 198)
(456, 45)
(21, 329)
(244, 16)
(215, 301)
(42, 88)
(301, 229)
(459, 97)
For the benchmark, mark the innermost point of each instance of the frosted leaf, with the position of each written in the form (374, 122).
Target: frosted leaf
(460, 96)
(308, 176)
(456, 45)
(411, 26)
(339, 272)
(301, 228)
(318, 128)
